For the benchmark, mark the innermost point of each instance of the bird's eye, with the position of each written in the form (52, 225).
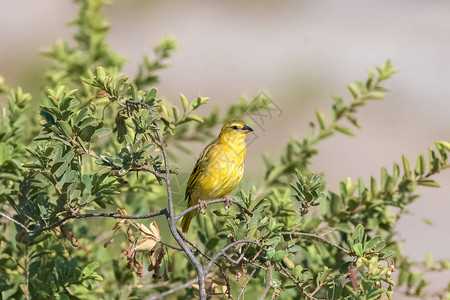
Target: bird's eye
(235, 127)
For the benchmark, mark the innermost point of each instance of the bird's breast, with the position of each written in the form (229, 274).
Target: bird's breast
(223, 173)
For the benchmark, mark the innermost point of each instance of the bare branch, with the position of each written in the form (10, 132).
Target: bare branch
(104, 215)
(224, 249)
(176, 289)
(17, 222)
(213, 202)
(245, 283)
(317, 237)
(286, 273)
(269, 282)
(201, 273)
(170, 246)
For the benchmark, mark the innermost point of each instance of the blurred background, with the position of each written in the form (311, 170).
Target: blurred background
(300, 53)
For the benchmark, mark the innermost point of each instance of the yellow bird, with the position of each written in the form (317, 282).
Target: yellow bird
(218, 170)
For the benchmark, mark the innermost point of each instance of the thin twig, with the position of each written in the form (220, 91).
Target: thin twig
(175, 289)
(286, 273)
(212, 202)
(224, 249)
(170, 246)
(17, 222)
(104, 215)
(318, 237)
(245, 284)
(269, 282)
(227, 282)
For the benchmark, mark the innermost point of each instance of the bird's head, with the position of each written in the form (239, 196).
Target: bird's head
(235, 131)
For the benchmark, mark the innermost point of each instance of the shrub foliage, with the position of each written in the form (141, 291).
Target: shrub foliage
(89, 203)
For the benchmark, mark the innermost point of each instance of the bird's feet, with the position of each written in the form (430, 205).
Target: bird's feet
(228, 202)
(203, 204)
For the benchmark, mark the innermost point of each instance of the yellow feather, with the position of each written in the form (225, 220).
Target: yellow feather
(219, 168)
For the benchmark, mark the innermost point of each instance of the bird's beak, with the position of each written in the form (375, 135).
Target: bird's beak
(246, 129)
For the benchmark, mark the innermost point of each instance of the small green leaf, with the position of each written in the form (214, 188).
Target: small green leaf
(184, 102)
(279, 255)
(389, 253)
(102, 132)
(134, 92)
(87, 132)
(358, 249)
(406, 166)
(344, 130)
(194, 118)
(101, 73)
(428, 182)
(320, 119)
(446, 145)
(376, 243)
(89, 269)
(374, 96)
(353, 90)
(153, 92)
(358, 234)
(420, 165)
(66, 128)
(288, 263)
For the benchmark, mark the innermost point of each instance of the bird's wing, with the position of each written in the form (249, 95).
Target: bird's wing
(199, 167)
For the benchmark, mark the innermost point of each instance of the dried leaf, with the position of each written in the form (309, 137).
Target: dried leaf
(145, 245)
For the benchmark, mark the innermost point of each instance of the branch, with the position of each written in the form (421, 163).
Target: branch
(213, 202)
(286, 273)
(318, 237)
(201, 273)
(104, 215)
(245, 283)
(268, 284)
(171, 291)
(224, 249)
(17, 222)
(133, 169)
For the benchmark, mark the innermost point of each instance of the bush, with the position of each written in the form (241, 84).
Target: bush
(106, 142)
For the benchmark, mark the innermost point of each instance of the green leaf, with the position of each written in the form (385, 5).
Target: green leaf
(102, 132)
(320, 119)
(376, 243)
(153, 92)
(288, 263)
(344, 130)
(358, 234)
(184, 102)
(279, 255)
(66, 128)
(388, 253)
(428, 182)
(420, 165)
(89, 269)
(134, 92)
(194, 118)
(275, 172)
(101, 73)
(87, 133)
(374, 96)
(353, 90)
(358, 249)
(446, 145)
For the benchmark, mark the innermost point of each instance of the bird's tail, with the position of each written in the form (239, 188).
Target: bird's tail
(186, 221)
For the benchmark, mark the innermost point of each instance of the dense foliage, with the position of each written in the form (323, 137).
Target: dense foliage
(101, 143)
